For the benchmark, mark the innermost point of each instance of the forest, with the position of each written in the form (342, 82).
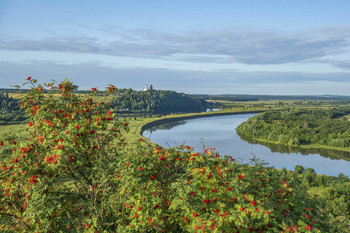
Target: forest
(303, 126)
(230, 97)
(10, 112)
(158, 102)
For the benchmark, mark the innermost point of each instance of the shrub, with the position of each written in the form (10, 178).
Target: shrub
(77, 174)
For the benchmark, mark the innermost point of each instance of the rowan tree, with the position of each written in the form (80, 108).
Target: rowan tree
(76, 173)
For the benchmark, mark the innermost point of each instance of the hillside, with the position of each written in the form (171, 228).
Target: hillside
(158, 102)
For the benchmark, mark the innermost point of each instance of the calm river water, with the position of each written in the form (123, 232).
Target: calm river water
(219, 132)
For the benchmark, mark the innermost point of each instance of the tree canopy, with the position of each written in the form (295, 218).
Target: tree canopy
(158, 102)
(300, 127)
(9, 110)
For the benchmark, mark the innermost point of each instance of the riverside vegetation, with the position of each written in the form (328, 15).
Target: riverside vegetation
(10, 112)
(76, 158)
(308, 127)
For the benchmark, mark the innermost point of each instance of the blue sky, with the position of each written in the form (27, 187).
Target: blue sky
(194, 46)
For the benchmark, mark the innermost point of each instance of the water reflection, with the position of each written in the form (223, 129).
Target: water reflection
(219, 132)
(164, 126)
(332, 154)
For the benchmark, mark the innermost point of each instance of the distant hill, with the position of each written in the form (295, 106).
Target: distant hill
(158, 102)
(272, 97)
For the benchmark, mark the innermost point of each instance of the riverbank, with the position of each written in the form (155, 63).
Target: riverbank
(310, 146)
(179, 117)
(150, 122)
(219, 132)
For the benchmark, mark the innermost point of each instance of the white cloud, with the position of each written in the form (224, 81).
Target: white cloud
(215, 46)
(212, 62)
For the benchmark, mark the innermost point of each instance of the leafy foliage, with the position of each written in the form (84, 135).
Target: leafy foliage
(76, 174)
(158, 102)
(332, 192)
(68, 162)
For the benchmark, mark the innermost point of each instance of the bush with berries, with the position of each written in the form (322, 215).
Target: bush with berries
(76, 173)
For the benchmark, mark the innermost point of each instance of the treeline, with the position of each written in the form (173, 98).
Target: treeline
(158, 102)
(275, 97)
(10, 112)
(300, 127)
(229, 98)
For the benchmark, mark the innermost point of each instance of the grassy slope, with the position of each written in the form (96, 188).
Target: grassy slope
(18, 129)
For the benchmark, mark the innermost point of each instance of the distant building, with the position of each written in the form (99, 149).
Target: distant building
(148, 89)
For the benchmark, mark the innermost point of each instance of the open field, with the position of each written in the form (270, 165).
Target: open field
(17, 129)
(347, 117)
(16, 95)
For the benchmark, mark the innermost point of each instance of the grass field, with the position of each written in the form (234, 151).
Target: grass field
(347, 117)
(17, 129)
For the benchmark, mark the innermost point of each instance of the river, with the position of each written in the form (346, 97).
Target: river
(219, 132)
